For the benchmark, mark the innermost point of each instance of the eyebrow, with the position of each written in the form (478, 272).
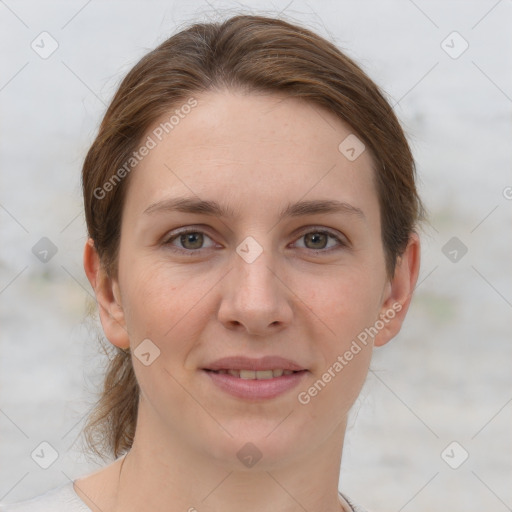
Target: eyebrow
(209, 207)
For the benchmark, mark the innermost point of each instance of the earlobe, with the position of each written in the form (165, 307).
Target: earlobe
(108, 298)
(399, 293)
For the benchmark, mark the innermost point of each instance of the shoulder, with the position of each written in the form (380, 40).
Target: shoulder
(59, 499)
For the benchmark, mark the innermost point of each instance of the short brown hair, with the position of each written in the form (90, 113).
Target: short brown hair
(251, 53)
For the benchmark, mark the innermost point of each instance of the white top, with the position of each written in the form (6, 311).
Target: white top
(65, 499)
(60, 499)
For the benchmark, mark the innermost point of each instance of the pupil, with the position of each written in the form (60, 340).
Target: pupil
(189, 237)
(315, 237)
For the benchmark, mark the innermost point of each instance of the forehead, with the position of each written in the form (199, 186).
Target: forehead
(253, 149)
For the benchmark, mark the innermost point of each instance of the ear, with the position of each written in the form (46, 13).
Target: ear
(108, 297)
(398, 293)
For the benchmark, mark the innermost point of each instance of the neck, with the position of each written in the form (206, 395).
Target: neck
(171, 474)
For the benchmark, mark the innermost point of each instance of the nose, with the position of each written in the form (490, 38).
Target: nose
(255, 298)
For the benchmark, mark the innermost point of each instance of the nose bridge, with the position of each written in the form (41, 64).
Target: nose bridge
(255, 298)
(253, 272)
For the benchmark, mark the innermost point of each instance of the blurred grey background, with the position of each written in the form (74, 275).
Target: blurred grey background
(440, 392)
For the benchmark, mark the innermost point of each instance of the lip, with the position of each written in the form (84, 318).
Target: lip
(247, 363)
(253, 389)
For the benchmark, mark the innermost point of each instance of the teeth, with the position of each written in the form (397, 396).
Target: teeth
(258, 375)
(264, 374)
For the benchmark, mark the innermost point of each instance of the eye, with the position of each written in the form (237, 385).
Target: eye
(190, 241)
(318, 240)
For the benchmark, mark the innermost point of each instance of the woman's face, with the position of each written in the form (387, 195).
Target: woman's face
(286, 260)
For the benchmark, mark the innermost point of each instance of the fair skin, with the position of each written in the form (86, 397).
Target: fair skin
(253, 154)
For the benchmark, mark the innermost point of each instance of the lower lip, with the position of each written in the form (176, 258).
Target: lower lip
(254, 389)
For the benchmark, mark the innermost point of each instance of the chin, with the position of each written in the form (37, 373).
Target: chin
(262, 445)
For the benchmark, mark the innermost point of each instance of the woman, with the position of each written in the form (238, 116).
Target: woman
(251, 208)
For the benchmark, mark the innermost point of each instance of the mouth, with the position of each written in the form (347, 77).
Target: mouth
(254, 385)
(255, 374)
(254, 378)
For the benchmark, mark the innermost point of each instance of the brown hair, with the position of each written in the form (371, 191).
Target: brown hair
(251, 53)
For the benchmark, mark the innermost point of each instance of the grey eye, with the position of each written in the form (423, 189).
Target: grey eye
(195, 239)
(318, 240)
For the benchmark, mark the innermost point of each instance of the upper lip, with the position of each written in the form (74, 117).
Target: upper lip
(246, 363)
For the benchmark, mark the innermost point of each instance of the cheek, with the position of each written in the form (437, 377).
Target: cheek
(337, 386)
(346, 307)
(160, 297)
(347, 302)
(345, 349)
(164, 306)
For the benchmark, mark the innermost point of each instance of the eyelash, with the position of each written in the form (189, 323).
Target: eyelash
(191, 252)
